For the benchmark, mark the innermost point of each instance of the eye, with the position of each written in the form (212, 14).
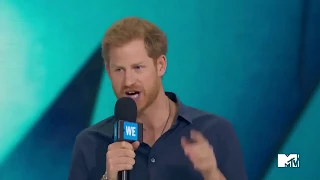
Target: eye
(118, 70)
(137, 67)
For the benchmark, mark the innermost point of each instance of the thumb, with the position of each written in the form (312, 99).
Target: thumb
(135, 145)
(184, 142)
(186, 145)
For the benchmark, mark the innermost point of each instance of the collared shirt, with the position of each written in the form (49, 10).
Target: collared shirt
(165, 160)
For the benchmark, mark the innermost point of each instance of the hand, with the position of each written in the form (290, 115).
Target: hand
(120, 156)
(201, 154)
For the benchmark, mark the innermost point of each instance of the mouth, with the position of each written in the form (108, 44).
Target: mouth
(133, 94)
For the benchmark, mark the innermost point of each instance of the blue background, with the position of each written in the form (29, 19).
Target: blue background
(256, 63)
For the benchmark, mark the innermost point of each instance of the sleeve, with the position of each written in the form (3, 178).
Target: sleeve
(228, 152)
(78, 168)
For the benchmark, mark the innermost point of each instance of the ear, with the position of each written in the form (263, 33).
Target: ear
(107, 69)
(161, 65)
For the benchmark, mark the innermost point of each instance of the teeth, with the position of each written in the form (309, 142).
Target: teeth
(134, 96)
(131, 92)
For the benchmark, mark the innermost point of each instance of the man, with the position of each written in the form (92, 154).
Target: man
(179, 142)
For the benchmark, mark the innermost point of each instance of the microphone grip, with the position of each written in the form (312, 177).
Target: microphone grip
(123, 175)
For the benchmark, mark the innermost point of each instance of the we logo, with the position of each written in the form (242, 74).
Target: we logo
(130, 131)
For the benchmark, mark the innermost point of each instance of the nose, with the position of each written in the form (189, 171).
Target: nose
(129, 79)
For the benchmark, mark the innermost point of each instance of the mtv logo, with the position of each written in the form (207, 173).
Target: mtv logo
(130, 131)
(288, 160)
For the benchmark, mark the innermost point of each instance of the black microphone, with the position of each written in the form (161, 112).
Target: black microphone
(126, 128)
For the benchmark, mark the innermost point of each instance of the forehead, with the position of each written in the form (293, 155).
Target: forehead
(130, 53)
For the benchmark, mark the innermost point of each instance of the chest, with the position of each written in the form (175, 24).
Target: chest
(164, 161)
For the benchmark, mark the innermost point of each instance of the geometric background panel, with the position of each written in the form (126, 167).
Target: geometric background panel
(302, 135)
(42, 46)
(303, 140)
(46, 148)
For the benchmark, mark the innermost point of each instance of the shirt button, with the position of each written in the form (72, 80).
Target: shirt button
(153, 160)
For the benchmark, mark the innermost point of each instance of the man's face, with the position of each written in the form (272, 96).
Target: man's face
(134, 74)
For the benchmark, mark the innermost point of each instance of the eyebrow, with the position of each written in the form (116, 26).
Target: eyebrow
(118, 66)
(139, 63)
(114, 66)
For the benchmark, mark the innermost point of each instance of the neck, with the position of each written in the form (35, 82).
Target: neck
(156, 115)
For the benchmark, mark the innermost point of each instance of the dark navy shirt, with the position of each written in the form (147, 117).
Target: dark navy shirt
(165, 160)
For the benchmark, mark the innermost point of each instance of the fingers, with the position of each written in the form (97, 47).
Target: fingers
(120, 145)
(122, 160)
(120, 163)
(200, 154)
(197, 137)
(200, 150)
(121, 153)
(184, 142)
(136, 145)
(119, 167)
(120, 156)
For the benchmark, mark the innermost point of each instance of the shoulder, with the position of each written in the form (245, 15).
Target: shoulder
(222, 137)
(101, 131)
(216, 129)
(88, 159)
(205, 121)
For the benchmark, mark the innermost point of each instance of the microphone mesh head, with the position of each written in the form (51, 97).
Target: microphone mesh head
(126, 109)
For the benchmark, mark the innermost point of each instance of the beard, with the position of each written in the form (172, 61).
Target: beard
(146, 97)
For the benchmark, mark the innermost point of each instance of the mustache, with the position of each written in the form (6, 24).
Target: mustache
(131, 89)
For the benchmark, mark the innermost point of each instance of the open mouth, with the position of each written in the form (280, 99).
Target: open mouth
(133, 94)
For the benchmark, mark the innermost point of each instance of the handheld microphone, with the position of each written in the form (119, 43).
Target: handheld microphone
(126, 128)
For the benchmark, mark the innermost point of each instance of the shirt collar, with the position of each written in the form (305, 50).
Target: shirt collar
(183, 110)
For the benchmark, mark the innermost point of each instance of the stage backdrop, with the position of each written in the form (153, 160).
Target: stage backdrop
(256, 63)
